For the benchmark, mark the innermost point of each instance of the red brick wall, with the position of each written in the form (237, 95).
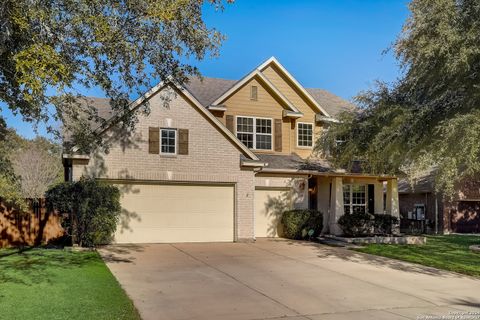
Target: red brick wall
(407, 203)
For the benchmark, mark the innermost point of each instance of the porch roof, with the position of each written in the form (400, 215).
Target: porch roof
(294, 164)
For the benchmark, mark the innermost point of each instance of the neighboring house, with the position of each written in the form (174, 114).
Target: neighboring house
(222, 159)
(423, 210)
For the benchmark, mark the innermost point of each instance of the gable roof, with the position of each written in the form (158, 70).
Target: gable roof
(274, 61)
(135, 104)
(210, 90)
(254, 74)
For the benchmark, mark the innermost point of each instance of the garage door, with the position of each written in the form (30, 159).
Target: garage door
(269, 205)
(155, 213)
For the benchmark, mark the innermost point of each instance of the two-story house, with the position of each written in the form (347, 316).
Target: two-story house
(220, 160)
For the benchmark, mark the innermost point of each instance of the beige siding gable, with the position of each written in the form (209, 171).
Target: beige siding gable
(266, 106)
(289, 90)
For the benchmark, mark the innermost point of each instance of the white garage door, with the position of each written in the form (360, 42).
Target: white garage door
(154, 213)
(269, 205)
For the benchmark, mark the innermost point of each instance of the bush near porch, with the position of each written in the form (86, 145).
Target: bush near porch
(302, 224)
(366, 224)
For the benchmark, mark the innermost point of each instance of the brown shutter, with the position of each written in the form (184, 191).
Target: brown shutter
(153, 140)
(278, 135)
(229, 122)
(182, 141)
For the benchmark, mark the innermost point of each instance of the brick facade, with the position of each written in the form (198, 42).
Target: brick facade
(460, 214)
(212, 157)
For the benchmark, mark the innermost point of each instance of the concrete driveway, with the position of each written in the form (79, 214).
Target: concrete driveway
(282, 279)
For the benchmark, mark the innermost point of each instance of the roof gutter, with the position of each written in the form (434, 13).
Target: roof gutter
(253, 164)
(292, 114)
(76, 156)
(321, 118)
(217, 107)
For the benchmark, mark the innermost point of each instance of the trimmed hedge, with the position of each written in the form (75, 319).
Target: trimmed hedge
(302, 224)
(366, 224)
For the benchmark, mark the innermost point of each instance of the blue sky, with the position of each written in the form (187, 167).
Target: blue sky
(331, 44)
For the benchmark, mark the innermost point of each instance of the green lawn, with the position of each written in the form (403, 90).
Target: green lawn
(58, 284)
(449, 252)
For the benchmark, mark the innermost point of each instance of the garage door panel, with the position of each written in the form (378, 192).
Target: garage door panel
(269, 206)
(177, 213)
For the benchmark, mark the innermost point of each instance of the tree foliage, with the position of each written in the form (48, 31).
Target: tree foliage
(430, 116)
(52, 50)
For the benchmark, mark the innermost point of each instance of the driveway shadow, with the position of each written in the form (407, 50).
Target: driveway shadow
(325, 252)
(119, 253)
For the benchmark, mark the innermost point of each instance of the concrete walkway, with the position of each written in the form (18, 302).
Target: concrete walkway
(282, 279)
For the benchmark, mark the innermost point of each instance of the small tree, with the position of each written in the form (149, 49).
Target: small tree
(93, 209)
(38, 170)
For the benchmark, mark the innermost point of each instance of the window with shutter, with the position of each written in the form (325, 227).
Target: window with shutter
(169, 141)
(153, 140)
(255, 133)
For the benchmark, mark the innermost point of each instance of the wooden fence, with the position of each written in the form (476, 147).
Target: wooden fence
(35, 227)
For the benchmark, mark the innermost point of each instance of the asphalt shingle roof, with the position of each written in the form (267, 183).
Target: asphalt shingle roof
(209, 89)
(206, 90)
(294, 162)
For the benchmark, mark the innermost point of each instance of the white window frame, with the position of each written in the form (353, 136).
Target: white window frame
(351, 204)
(255, 131)
(298, 135)
(175, 145)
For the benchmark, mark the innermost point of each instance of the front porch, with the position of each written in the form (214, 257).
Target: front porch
(290, 182)
(332, 194)
(342, 194)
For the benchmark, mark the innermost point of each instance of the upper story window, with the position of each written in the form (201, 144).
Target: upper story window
(304, 134)
(255, 133)
(254, 93)
(168, 142)
(355, 198)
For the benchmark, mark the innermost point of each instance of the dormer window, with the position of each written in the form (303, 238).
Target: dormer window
(254, 93)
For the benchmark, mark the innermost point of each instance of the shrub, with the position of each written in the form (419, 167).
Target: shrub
(302, 224)
(383, 223)
(356, 224)
(93, 209)
(365, 224)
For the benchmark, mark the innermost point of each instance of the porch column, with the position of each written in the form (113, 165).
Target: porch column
(378, 190)
(392, 200)
(336, 206)
(323, 201)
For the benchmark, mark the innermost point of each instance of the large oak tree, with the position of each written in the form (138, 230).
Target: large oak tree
(430, 117)
(52, 50)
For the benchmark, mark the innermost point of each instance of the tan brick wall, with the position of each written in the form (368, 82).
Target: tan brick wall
(212, 157)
